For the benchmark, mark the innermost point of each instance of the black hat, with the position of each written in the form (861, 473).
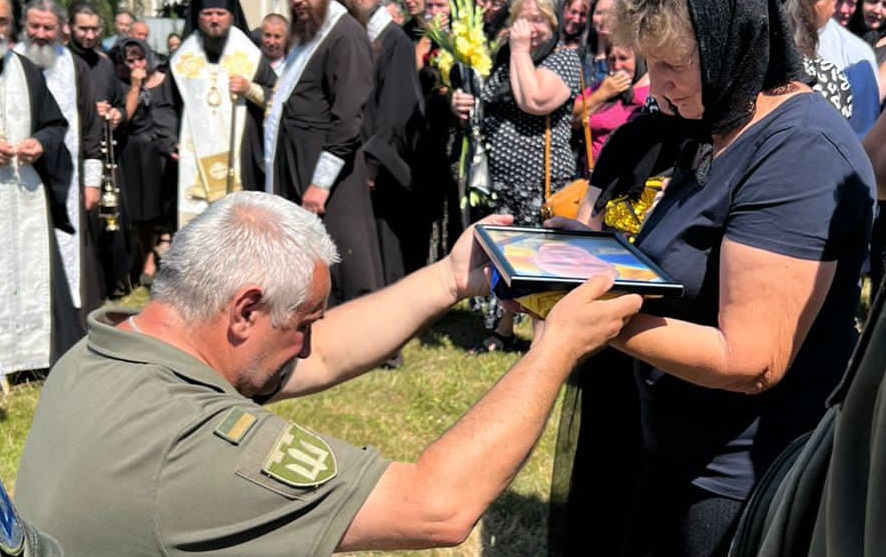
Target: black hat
(197, 6)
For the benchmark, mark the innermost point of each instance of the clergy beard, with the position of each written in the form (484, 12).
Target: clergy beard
(4, 46)
(43, 56)
(305, 30)
(214, 46)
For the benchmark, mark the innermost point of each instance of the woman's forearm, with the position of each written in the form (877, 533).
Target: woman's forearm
(532, 93)
(695, 353)
(132, 101)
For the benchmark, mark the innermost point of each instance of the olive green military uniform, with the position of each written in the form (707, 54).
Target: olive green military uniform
(139, 449)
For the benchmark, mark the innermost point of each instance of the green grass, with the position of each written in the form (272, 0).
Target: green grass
(399, 412)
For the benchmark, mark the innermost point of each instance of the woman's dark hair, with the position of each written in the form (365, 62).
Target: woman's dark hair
(856, 22)
(127, 46)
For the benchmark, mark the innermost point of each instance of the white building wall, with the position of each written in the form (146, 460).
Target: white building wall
(255, 10)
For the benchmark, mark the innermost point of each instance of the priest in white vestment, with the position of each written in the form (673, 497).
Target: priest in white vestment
(38, 321)
(67, 77)
(219, 88)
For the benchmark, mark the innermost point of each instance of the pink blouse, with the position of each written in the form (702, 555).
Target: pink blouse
(605, 121)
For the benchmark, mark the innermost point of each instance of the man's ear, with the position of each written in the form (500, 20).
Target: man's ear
(245, 307)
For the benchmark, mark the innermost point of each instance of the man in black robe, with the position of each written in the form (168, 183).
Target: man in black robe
(312, 138)
(44, 150)
(114, 247)
(393, 121)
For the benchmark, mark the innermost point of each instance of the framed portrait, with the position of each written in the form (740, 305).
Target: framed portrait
(533, 260)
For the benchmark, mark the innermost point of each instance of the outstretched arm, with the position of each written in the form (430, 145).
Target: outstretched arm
(437, 500)
(406, 307)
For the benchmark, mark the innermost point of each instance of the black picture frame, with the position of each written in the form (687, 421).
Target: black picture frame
(529, 260)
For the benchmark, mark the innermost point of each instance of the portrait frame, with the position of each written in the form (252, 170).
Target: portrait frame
(529, 260)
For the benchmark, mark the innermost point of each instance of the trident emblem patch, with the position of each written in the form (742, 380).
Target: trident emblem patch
(300, 458)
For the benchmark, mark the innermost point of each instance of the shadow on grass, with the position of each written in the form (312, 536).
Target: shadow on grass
(463, 328)
(515, 525)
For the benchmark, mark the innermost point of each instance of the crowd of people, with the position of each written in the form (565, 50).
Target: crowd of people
(346, 133)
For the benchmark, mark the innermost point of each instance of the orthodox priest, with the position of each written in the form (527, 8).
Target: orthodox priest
(68, 79)
(219, 88)
(393, 121)
(114, 248)
(38, 320)
(312, 137)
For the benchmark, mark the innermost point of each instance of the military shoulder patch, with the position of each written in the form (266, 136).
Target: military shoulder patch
(300, 458)
(12, 538)
(235, 425)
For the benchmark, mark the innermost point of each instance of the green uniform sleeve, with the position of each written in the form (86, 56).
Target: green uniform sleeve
(234, 485)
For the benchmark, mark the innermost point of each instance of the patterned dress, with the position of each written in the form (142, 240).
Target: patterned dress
(831, 83)
(517, 142)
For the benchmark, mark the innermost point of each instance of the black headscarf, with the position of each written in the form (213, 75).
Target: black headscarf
(197, 6)
(118, 55)
(745, 47)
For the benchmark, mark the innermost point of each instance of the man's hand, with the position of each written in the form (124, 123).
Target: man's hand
(581, 323)
(469, 263)
(7, 153)
(373, 167)
(91, 197)
(239, 85)
(115, 117)
(314, 200)
(29, 151)
(102, 107)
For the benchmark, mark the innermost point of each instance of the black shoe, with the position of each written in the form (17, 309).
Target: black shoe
(496, 342)
(394, 362)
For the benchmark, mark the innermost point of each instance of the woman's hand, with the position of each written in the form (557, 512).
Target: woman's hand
(137, 77)
(462, 104)
(521, 36)
(615, 84)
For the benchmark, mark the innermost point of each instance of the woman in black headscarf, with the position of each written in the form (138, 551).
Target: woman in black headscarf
(149, 188)
(765, 222)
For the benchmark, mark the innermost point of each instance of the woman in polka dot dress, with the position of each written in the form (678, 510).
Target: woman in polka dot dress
(533, 81)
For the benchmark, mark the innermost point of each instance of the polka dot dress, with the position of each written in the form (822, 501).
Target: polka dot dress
(517, 142)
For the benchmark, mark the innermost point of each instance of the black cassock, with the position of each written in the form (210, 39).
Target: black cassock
(92, 284)
(325, 113)
(114, 251)
(393, 123)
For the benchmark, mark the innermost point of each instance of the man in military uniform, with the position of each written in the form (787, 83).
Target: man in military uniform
(164, 446)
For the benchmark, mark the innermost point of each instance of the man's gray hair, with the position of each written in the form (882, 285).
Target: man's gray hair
(46, 6)
(246, 238)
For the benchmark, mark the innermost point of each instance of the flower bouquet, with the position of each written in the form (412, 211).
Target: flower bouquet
(464, 59)
(463, 42)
